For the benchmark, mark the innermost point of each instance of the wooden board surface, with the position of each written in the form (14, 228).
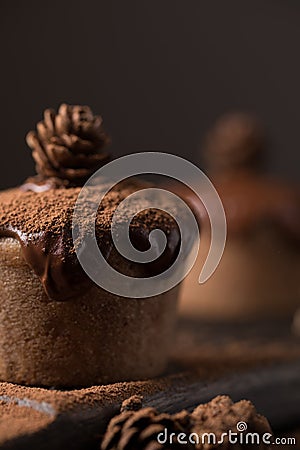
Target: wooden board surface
(260, 362)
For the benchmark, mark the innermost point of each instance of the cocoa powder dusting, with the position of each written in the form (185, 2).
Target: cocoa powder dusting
(25, 411)
(42, 222)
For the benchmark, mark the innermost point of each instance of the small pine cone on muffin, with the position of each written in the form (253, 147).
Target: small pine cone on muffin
(69, 145)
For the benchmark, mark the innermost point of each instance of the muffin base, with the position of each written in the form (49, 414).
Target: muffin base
(256, 278)
(93, 339)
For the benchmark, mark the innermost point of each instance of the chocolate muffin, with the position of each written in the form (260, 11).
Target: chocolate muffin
(58, 328)
(258, 273)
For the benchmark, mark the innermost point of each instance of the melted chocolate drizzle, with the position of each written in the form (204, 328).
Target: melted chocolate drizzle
(42, 223)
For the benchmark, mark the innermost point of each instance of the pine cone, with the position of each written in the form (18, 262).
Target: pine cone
(236, 141)
(221, 415)
(139, 430)
(68, 146)
(201, 430)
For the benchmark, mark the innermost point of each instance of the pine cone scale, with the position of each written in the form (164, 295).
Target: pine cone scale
(43, 132)
(77, 176)
(62, 124)
(151, 430)
(76, 144)
(58, 155)
(129, 439)
(39, 154)
(49, 120)
(82, 113)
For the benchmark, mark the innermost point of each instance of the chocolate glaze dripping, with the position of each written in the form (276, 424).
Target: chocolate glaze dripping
(61, 275)
(53, 259)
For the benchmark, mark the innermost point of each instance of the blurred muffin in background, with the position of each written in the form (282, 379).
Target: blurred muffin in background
(296, 323)
(258, 275)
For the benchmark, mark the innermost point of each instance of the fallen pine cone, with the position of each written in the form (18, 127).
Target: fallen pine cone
(214, 421)
(139, 429)
(217, 424)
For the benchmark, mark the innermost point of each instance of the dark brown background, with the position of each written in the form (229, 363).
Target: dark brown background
(159, 71)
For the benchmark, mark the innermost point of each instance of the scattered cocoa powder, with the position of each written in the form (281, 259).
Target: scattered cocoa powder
(42, 221)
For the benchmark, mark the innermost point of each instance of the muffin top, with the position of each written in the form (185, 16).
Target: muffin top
(42, 222)
(68, 147)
